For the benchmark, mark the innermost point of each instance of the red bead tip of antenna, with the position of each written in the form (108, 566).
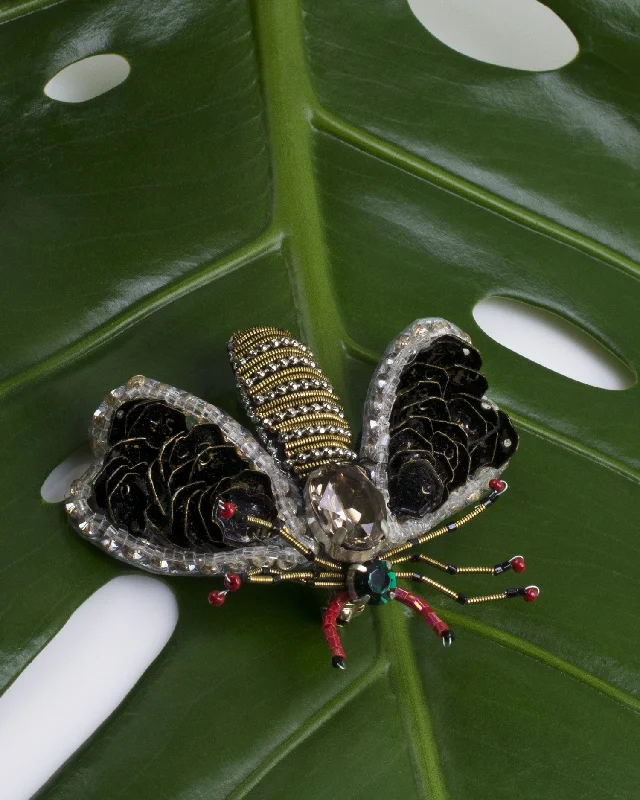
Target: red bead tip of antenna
(497, 485)
(531, 594)
(227, 510)
(217, 598)
(232, 581)
(517, 564)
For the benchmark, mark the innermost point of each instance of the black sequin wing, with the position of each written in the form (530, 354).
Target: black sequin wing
(433, 438)
(174, 482)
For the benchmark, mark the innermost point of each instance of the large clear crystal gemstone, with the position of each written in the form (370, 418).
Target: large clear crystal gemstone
(345, 511)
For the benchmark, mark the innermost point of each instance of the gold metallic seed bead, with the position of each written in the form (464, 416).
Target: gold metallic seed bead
(316, 443)
(389, 554)
(294, 399)
(440, 587)
(487, 598)
(303, 421)
(333, 566)
(302, 470)
(313, 462)
(259, 361)
(296, 576)
(401, 548)
(243, 341)
(445, 567)
(427, 537)
(305, 576)
(290, 538)
(341, 431)
(329, 584)
(256, 330)
(287, 375)
(475, 570)
(433, 562)
(260, 523)
(468, 517)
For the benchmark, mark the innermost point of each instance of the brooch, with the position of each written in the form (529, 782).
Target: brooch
(178, 487)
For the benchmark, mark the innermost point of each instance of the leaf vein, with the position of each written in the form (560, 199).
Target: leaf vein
(270, 241)
(421, 168)
(307, 728)
(544, 656)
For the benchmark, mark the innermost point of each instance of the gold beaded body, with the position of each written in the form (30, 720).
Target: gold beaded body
(290, 400)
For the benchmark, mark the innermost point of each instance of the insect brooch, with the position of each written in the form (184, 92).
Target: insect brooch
(180, 488)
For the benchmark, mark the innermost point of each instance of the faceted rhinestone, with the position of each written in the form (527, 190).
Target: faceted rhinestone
(347, 506)
(379, 578)
(378, 582)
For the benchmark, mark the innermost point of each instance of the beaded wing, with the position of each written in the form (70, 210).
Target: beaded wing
(178, 487)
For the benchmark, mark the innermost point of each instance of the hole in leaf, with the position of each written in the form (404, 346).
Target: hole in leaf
(80, 677)
(549, 340)
(56, 486)
(521, 34)
(88, 78)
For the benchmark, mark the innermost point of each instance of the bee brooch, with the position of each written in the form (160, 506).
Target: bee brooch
(178, 487)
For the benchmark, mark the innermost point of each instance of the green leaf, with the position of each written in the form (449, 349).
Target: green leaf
(332, 168)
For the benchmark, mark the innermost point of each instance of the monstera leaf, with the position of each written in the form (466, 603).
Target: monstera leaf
(332, 168)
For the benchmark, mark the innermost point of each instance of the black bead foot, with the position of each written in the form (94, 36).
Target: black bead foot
(338, 663)
(448, 638)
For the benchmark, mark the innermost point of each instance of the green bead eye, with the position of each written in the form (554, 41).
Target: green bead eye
(378, 582)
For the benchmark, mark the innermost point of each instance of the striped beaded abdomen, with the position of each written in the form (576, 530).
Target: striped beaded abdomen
(290, 400)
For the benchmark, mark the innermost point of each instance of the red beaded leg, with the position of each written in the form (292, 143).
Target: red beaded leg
(424, 609)
(330, 629)
(232, 582)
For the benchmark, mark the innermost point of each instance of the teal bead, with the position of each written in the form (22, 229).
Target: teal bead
(378, 582)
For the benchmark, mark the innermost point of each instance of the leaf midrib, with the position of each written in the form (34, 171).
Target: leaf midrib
(289, 102)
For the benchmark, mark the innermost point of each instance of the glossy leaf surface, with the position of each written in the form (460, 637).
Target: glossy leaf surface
(332, 168)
